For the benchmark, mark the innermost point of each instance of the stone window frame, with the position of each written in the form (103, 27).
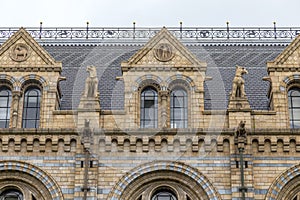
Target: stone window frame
(8, 87)
(184, 85)
(29, 179)
(142, 107)
(149, 83)
(5, 191)
(138, 183)
(27, 88)
(294, 85)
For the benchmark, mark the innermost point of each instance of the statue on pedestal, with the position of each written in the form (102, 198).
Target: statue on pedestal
(238, 88)
(91, 83)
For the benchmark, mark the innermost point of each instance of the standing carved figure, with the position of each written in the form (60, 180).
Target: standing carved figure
(241, 130)
(238, 88)
(91, 83)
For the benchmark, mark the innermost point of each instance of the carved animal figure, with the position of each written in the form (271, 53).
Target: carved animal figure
(238, 88)
(91, 83)
(20, 52)
(241, 131)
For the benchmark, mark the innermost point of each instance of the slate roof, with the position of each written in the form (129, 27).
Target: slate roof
(221, 59)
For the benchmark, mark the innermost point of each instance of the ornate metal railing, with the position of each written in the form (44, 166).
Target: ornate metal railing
(200, 33)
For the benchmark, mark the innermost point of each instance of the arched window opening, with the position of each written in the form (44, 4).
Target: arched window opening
(178, 108)
(11, 194)
(149, 106)
(5, 103)
(31, 108)
(164, 194)
(294, 107)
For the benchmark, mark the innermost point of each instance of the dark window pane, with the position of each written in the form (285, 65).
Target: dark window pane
(164, 195)
(3, 123)
(31, 108)
(148, 111)
(5, 102)
(178, 108)
(11, 195)
(149, 103)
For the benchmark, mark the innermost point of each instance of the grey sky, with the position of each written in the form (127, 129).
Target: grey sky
(154, 13)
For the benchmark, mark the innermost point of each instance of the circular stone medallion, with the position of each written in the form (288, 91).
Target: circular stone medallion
(163, 52)
(19, 52)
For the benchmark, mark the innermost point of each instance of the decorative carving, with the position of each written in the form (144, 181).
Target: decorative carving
(241, 131)
(164, 52)
(238, 88)
(91, 83)
(19, 52)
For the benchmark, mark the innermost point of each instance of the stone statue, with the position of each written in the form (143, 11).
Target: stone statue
(238, 88)
(91, 83)
(241, 131)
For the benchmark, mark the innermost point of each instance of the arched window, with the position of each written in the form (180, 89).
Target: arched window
(5, 102)
(164, 194)
(11, 194)
(178, 108)
(149, 108)
(294, 107)
(31, 108)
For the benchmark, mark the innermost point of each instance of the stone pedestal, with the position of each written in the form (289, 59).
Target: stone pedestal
(239, 110)
(89, 109)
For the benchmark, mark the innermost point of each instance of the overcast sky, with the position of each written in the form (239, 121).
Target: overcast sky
(149, 13)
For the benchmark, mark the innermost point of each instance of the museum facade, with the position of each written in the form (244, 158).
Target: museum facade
(149, 114)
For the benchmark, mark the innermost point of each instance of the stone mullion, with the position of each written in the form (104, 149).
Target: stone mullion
(15, 108)
(163, 118)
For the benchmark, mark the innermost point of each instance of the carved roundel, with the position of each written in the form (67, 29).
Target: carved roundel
(19, 52)
(163, 52)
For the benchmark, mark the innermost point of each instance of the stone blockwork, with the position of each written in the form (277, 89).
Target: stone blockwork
(89, 152)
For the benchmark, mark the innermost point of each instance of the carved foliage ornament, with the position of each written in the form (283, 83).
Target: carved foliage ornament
(19, 52)
(163, 52)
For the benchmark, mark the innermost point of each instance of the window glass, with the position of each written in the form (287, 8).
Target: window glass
(5, 103)
(11, 195)
(164, 195)
(148, 108)
(294, 107)
(31, 108)
(178, 108)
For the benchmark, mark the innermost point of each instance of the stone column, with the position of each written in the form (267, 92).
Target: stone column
(164, 103)
(15, 108)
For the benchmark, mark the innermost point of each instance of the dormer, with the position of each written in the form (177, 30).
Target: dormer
(284, 77)
(160, 73)
(30, 73)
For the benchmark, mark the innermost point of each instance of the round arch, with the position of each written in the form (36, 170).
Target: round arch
(164, 173)
(148, 80)
(186, 81)
(11, 81)
(34, 77)
(27, 176)
(286, 185)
